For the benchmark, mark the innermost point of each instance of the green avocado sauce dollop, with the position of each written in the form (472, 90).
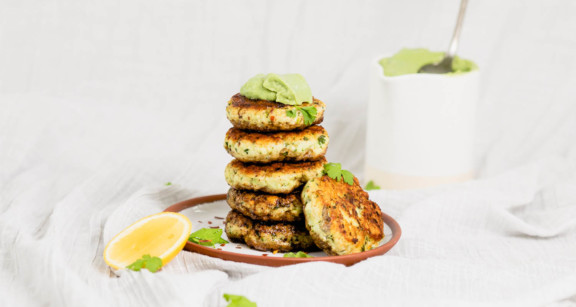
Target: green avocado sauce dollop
(289, 89)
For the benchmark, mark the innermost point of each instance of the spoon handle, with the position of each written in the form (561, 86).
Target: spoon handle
(456, 36)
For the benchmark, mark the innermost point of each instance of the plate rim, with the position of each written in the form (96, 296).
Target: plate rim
(347, 260)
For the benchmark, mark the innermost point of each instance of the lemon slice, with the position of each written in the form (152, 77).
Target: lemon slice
(161, 235)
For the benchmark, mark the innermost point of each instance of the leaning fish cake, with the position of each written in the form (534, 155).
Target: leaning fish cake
(340, 217)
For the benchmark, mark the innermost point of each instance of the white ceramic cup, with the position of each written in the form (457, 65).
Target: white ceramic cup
(420, 129)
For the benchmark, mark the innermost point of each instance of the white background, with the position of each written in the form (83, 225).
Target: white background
(188, 57)
(101, 101)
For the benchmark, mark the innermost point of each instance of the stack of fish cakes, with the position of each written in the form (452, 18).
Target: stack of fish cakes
(276, 150)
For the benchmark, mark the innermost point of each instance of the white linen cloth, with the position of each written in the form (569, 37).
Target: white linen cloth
(102, 103)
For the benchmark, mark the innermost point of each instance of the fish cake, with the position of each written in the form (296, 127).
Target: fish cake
(283, 237)
(309, 144)
(264, 115)
(266, 207)
(273, 178)
(340, 217)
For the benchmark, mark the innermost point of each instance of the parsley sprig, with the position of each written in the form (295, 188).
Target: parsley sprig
(238, 301)
(153, 264)
(335, 171)
(299, 254)
(207, 237)
(309, 114)
(371, 186)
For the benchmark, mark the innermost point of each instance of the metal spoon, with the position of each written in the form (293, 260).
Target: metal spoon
(445, 66)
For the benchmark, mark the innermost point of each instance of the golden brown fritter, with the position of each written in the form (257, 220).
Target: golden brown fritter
(340, 217)
(266, 207)
(274, 178)
(301, 145)
(263, 115)
(283, 237)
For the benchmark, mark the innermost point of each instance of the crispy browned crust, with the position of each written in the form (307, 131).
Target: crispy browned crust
(283, 237)
(264, 115)
(266, 207)
(349, 221)
(237, 226)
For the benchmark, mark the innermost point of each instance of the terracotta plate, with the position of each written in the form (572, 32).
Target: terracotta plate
(210, 212)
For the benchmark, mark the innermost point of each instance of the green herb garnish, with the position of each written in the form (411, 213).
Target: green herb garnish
(238, 301)
(207, 237)
(309, 114)
(168, 183)
(321, 139)
(371, 186)
(335, 171)
(153, 264)
(299, 254)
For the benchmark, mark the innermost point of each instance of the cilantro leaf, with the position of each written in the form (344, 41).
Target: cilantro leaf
(371, 186)
(136, 265)
(207, 237)
(238, 301)
(153, 264)
(299, 254)
(309, 114)
(335, 171)
(348, 177)
(321, 139)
